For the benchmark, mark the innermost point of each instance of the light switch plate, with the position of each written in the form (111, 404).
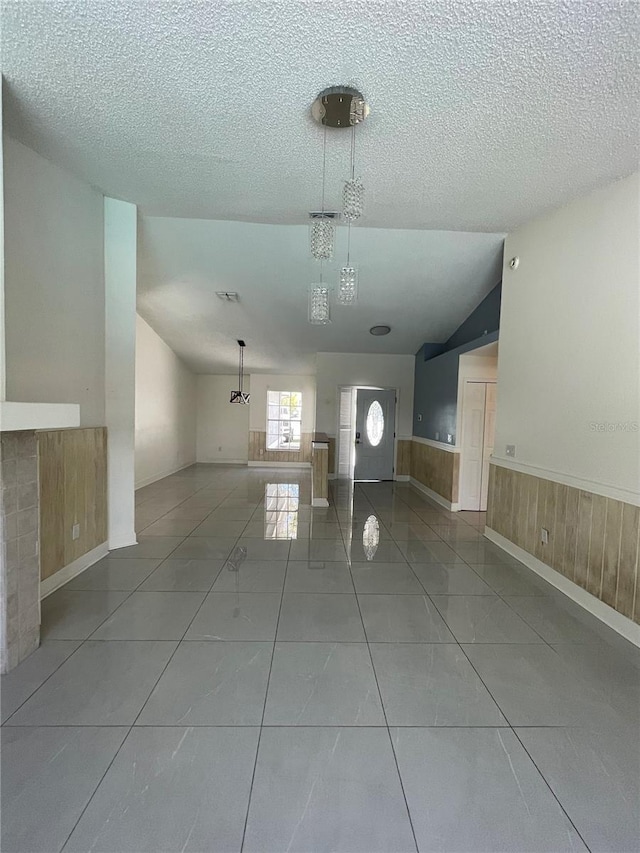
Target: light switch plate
(75, 531)
(544, 536)
(511, 450)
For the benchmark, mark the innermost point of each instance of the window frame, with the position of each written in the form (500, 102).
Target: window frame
(283, 447)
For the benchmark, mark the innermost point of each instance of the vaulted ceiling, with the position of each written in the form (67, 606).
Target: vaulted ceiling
(483, 115)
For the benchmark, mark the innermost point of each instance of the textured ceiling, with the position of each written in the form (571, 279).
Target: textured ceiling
(484, 112)
(423, 284)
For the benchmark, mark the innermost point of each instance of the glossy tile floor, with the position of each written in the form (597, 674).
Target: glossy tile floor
(256, 675)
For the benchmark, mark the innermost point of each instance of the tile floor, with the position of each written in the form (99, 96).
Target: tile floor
(256, 675)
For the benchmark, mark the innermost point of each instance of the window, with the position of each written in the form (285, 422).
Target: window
(375, 424)
(284, 420)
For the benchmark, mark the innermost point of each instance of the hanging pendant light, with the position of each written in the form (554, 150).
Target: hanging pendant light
(323, 227)
(353, 190)
(319, 306)
(240, 396)
(348, 283)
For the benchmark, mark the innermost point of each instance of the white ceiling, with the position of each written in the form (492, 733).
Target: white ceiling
(484, 112)
(421, 283)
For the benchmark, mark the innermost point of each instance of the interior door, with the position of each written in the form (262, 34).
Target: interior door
(489, 433)
(473, 416)
(375, 434)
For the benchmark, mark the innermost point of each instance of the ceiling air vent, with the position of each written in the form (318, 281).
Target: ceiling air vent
(227, 296)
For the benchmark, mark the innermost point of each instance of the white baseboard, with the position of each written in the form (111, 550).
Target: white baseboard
(155, 477)
(434, 495)
(402, 478)
(279, 464)
(54, 582)
(619, 623)
(221, 462)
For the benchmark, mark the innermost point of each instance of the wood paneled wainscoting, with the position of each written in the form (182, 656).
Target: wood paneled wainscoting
(258, 450)
(436, 472)
(72, 465)
(593, 540)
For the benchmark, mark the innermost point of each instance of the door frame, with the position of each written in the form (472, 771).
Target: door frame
(475, 380)
(352, 437)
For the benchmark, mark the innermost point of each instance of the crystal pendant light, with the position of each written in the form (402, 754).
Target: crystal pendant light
(319, 308)
(322, 237)
(348, 283)
(322, 226)
(353, 191)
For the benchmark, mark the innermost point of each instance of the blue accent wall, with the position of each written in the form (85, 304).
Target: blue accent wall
(435, 395)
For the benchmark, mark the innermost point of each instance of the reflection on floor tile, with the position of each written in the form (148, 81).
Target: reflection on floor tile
(188, 656)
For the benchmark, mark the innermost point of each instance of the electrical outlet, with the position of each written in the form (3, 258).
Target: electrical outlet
(511, 450)
(75, 531)
(437, 436)
(419, 418)
(449, 437)
(544, 536)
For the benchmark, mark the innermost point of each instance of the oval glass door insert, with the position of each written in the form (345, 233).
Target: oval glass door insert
(375, 424)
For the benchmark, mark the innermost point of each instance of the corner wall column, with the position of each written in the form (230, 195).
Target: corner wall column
(120, 246)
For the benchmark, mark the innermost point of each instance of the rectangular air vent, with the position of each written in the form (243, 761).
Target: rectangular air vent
(227, 296)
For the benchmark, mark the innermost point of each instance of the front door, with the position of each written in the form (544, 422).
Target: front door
(375, 434)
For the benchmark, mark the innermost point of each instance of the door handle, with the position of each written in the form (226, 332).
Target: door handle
(357, 438)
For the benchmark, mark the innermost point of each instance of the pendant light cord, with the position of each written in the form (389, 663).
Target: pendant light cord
(324, 163)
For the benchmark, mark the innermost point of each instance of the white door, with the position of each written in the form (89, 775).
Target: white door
(375, 434)
(489, 433)
(478, 427)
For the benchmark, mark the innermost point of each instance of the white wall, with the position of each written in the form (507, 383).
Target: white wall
(120, 239)
(54, 285)
(223, 428)
(387, 371)
(165, 408)
(568, 364)
(263, 382)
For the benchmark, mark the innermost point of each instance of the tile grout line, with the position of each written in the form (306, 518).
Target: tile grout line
(264, 707)
(384, 714)
(131, 727)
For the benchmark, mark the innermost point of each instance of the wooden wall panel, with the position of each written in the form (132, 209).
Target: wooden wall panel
(258, 449)
(436, 469)
(403, 460)
(332, 455)
(73, 490)
(593, 540)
